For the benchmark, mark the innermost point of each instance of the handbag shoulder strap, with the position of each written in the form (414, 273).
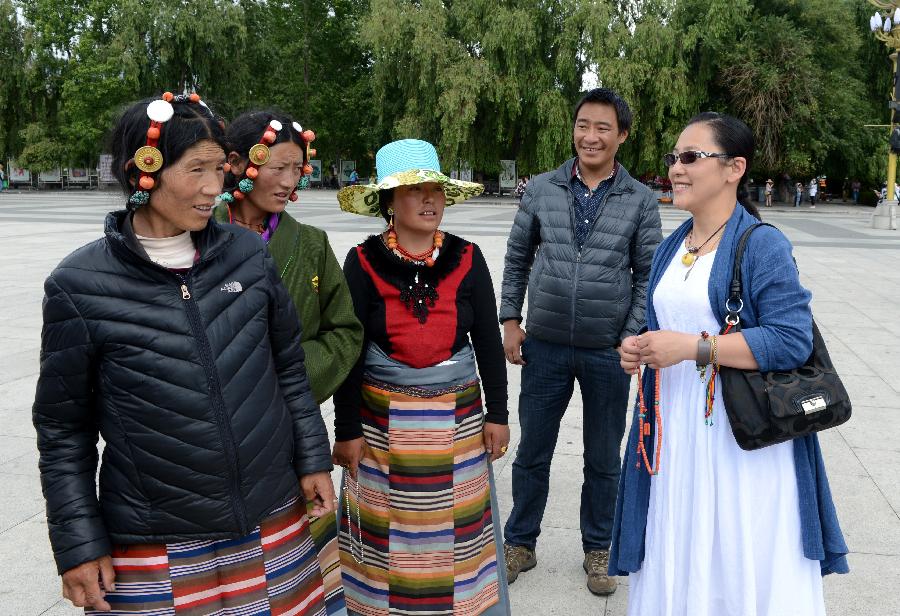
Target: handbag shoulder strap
(734, 304)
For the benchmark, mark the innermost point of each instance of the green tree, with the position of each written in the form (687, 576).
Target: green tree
(12, 79)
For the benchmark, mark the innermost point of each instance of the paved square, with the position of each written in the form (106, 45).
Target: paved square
(852, 270)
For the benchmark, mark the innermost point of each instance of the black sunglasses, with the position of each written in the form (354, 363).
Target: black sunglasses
(691, 156)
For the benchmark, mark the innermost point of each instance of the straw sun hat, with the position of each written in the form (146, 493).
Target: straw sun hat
(404, 163)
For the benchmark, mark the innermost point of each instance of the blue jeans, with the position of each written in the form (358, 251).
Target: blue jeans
(548, 380)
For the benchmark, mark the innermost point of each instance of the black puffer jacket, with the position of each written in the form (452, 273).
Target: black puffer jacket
(593, 296)
(196, 383)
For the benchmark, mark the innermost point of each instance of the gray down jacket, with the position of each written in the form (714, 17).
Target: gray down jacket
(195, 381)
(590, 298)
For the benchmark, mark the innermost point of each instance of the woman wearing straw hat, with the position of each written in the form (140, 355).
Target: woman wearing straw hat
(419, 525)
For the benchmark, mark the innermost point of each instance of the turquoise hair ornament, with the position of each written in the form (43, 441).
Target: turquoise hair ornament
(226, 197)
(141, 197)
(303, 183)
(245, 185)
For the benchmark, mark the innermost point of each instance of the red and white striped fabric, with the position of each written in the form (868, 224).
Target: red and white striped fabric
(272, 571)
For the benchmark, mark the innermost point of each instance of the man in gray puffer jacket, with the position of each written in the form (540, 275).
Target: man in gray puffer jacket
(582, 244)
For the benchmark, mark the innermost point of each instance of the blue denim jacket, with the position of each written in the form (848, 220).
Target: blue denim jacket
(777, 324)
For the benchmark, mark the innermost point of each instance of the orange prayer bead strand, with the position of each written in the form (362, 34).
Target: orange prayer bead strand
(644, 428)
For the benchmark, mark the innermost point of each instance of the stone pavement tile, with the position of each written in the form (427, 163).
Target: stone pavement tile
(20, 500)
(16, 332)
(871, 391)
(869, 523)
(853, 318)
(62, 608)
(873, 427)
(11, 447)
(28, 577)
(16, 422)
(870, 588)
(18, 395)
(840, 458)
(557, 586)
(617, 603)
(860, 337)
(26, 464)
(19, 364)
(564, 498)
(881, 464)
(884, 361)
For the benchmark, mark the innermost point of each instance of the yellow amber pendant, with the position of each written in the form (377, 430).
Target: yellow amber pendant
(688, 258)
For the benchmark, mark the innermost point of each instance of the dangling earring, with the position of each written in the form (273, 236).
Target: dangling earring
(392, 235)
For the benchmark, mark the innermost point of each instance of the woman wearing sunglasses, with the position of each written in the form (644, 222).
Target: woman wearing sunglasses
(702, 526)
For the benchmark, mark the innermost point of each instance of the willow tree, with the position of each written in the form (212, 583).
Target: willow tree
(483, 80)
(13, 95)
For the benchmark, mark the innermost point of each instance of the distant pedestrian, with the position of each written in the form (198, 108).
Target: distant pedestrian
(798, 194)
(2, 178)
(769, 186)
(813, 191)
(354, 178)
(854, 190)
(521, 186)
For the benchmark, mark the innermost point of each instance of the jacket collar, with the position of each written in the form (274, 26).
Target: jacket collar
(563, 175)
(121, 237)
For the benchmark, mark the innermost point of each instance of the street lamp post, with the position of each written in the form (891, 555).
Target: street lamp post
(885, 24)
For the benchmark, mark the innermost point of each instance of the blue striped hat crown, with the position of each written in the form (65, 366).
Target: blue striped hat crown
(404, 155)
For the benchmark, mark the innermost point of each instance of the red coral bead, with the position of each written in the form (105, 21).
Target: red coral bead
(238, 195)
(252, 172)
(168, 96)
(269, 136)
(307, 169)
(429, 262)
(293, 196)
(195, 98)
(309, 136)
(146, 182)
(152, 133)
(226, 167)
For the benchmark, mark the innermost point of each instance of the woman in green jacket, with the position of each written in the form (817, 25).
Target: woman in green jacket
(268, 162)
(257, 191)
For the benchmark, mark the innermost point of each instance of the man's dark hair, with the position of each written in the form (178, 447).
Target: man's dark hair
(605, 96)
(190, 124)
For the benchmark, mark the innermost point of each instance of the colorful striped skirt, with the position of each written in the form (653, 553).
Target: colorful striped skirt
(422, 538)
(277, 570)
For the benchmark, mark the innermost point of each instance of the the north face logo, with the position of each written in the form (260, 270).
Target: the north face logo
(232, 287)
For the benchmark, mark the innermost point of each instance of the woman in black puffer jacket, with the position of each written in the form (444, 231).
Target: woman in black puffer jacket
(173, 339)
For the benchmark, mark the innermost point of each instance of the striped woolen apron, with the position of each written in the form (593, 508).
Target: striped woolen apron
(425, 507)
(272, 571)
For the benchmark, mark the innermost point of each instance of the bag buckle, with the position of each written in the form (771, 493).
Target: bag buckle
(814, 404)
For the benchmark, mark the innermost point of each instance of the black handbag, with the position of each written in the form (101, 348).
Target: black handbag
(766, 408)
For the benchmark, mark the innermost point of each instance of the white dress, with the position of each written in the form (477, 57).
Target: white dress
(723, 525)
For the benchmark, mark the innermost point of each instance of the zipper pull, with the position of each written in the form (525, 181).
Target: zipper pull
(185, 294)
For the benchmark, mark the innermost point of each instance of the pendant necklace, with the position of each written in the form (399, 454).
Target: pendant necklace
(689, 258)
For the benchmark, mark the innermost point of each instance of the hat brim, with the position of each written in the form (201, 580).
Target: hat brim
(362, 199)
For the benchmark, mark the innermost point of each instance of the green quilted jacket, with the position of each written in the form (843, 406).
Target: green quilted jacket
(332, 335)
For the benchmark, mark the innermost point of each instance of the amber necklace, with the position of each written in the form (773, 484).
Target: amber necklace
(689, 258)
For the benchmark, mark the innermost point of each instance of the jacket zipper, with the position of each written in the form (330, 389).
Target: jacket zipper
(218, 403)
(578, 250)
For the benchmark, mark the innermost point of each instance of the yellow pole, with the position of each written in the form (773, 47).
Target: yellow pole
(892, 158)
